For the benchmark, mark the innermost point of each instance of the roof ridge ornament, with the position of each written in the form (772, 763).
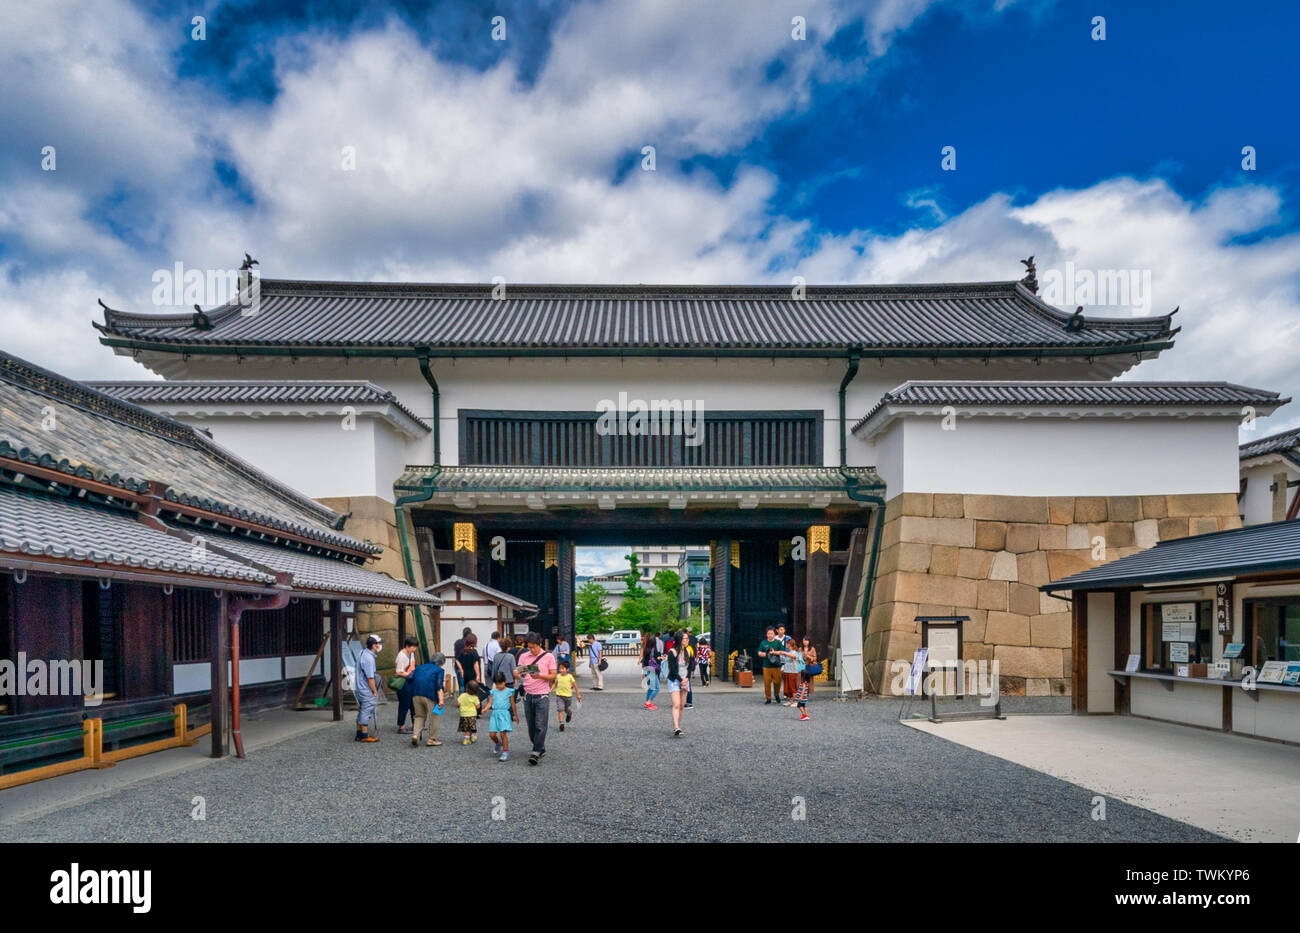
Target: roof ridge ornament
(1076, 322)
(1030, 281)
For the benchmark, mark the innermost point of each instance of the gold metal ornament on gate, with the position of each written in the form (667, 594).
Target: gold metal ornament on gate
(464, 536)
(819, 539)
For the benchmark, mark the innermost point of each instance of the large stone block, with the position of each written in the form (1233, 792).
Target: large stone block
(1229, 522)
(1060, 510)
(1048, 604)
(914, 557)
(949, 505)
(1189, 506)
(973, 629)
(1022, 537)
(1038, 687)
(1053, 537)
(992, 594)
(1051, 631)
(1077, 538)
(1061, 564)
(891, 533)
(1007, 628)
(887, 562)
(1007, 508)
(976, 651)
(1011, 686)
(1117, 534)
(1146, 533)
(893, 509)
(991, 536)
(920, 504)
(973, 563)
(1204, 526)
(1172, 528)
(928, 588)
(958, 532)
(943, 560)
(1004, 567)
(1154, 507)
(1023, 599)
(1028, 662)
(1032, 568)
(1089, 509)
(1124, 509)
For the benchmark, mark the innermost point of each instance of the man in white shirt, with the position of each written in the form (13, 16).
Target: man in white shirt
(492, 650)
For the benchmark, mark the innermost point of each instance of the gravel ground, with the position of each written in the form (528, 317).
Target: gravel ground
(618, 775)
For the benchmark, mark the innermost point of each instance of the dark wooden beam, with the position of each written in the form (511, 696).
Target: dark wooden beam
(1079, 658)
(219, 654)
(818, 589)
(1123, 642)
(720, 633)
(336, 658)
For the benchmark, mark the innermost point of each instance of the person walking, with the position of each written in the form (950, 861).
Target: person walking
(650, 665)
(469, 666)
(501, 701)
(678, 683)
(490, 652)
(704, 661)
(811, 668)
(595, 654)
(791, 663)
(563, 652)
(402, 667)
(365, 689)
(687, 644)
(566, 686)
(469, 704)
(537, 671)
(769, 652)
(456, 650)
(504, 663)
(426, 683)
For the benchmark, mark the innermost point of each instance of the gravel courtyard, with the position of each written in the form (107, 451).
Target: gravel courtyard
(742, 772)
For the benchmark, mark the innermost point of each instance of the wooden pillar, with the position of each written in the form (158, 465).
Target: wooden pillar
(465, 550)
(818, 588)
(1123, 644)
(1079, 659)
(564, 589)
(336, 658)
(219, 654)
(799, 604)
(720, 633)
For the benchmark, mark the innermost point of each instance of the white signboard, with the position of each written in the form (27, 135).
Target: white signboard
(1187, 632)
(1178, 651)
(848, 660)
(1178, 612)
(1132, 665)
(942, 642)
(918, 670)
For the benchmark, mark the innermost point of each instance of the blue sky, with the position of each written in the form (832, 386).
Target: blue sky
(775, 157)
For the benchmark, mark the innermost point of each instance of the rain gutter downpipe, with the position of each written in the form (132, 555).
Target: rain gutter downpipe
(851, 485)
(235, 609)
(423, 495)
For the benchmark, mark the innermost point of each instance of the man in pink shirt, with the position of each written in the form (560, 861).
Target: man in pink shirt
(536, 667)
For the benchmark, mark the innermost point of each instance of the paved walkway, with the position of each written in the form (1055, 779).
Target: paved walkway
(742, 772)
(1228, 784)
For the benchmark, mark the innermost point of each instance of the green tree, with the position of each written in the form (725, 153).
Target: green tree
(665, 600)
(591, 612)
(636, 610)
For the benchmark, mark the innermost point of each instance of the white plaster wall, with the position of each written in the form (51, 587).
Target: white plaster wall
(1257, 504)
(1101, 651)
(580, 383)
(1059, 456)
(1193, 704)
(482, 620)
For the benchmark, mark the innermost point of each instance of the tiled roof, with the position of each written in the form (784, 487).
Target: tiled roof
(48, 420)
(37, 526)
(322, 574)
(683, 319)
(1287, 442)
(483, 588)
(1054, 394)
(1256, 549)
(253, 392)
(670, 479)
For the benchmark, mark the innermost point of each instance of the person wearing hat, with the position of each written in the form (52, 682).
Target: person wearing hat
(365, 688)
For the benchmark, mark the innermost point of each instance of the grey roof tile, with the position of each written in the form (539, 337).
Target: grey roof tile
(685, 318)
(1285, 442)
(147, 393)
(37, 526)
(671, 479)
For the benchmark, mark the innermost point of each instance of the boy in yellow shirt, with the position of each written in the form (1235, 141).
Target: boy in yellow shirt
(566, 688)
(469, 703)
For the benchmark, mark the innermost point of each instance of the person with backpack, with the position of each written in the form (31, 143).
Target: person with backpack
(650, 666)
(426, 685)
(503, 663)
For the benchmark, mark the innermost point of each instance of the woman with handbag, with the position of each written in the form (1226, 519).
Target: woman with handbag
(400, 682)
(679, 681)
(811, 668)
(650, 665)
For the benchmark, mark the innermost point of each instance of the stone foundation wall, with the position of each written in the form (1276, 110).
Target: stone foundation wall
(375, 519)
(985, 557)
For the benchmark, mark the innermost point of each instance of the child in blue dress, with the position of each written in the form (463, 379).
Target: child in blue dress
(501, 701)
